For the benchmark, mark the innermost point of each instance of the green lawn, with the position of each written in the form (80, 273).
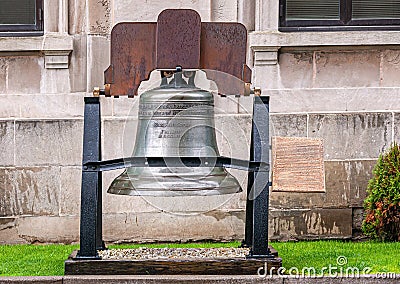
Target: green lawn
(380, 257)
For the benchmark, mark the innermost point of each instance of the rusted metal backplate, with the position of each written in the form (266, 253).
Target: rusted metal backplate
(178, 39)
(223, 48)
(132, 57)
(298, 164)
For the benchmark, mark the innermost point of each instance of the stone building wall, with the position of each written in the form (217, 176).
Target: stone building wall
(340, 86)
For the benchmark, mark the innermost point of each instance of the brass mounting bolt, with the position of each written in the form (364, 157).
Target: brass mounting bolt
(96, 92)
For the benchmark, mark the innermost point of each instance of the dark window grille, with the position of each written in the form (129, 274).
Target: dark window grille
(339, 14)
(21, 17)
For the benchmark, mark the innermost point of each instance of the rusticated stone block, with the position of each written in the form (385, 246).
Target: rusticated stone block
(24, 74)
(290, 125)
(149, 10)
(161, 226)
(309, 224)
(347, 69)
(296, 70)
(70, 191)
(124, 107)
(396, 127)
(52, 13)
(353, 135)
(349, 178)
(100, 16)
(334, 100)
(48, 229)
(118, 137)
(7, 143)
(390, 68)
(3, 75)
(77, 17)
(8, 231)
(55, 80)
(41, 105)
(233, 135)
(48, 142)
(77, 67)
(358, 217)
(99, 48)
(29, 191)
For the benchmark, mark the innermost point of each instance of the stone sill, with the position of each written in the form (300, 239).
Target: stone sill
(260, 41)
(55, 47)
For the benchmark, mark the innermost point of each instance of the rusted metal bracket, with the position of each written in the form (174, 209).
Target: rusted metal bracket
(178, 38)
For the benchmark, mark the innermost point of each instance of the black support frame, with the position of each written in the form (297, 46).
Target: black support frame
(256, 227)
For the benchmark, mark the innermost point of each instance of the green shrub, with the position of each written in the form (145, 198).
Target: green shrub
(382, 205)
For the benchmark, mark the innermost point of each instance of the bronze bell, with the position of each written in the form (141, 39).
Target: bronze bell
(176, 119)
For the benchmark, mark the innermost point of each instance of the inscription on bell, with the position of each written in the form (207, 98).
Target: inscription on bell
(168, 109)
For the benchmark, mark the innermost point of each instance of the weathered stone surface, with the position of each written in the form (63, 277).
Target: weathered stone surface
(100, 16)
(226, 105)
(48, 142)
(3, 75)
(107, 107)
(296, 70)
(349, 179)
(50, 106)
(7, 146)
(246, 14)
(334, 100)
(309, 224)
(390, 68)
(24, 74)
(76, 17)
(98, 48)
(124, 106)
(358, 217)
(352, 135)
(306, 100)
(55, 81)
(149, 10)
(233, 135)
(172, 227)
(396, 127)
(42, 105)
(49, 229)
(8, 231)
(77, 66)
(51, 12)
(118, 138)
(372, 99)
(70, 191)
(245, 104)
(224, 10)
(288, 125)
(345, 182)
(347, 69)
(29, 191)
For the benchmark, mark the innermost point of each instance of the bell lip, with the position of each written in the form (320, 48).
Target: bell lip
(174, 193)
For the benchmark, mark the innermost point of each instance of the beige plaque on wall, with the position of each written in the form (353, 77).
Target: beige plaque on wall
(298, 164)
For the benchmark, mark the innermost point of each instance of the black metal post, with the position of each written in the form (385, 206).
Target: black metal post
(91, 190)
(256, 231)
